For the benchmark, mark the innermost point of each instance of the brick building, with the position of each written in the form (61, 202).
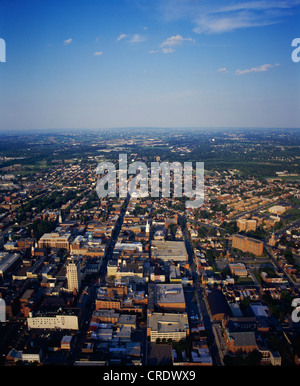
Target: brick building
(240, 341)
(248, 244)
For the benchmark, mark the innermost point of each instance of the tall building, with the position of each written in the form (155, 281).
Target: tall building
(74, 275)
(147, 230)
(246, 225)
(248, 244)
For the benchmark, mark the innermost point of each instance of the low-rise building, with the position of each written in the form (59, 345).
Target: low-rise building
(238, 269)
(55, 240)
(8, 262)
(167, 326)
(169, 297)
(169, 250)
(32, 354)
(53, 320)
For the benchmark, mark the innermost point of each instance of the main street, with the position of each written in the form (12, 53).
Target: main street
(215, 345)
(92, 288)
(113, 240)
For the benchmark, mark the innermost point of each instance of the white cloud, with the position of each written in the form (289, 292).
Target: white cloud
(212, 17)
(67, 41)
(98, 53)
(212, 24)
(259, 5)
(223, 70)
(131, 38)
(176, 40)
(137, 39)
(262, 68)
(120, 37)
(168, 50)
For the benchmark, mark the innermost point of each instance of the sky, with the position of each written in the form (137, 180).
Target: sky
(149, 63)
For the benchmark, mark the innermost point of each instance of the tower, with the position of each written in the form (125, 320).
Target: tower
(73, 275)
(147, 230)
(60, 217)
(272, 240)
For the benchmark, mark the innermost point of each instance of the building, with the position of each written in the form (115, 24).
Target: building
(175, 276)
(73, 275)
(169, 250)
(8, 262)
(240, 341)
(87, 246)
(108, 304)
(268, 279)
(238, 269)
(159, 354)
(131, 269)
(275, 358)
(53, 321)
(25, 299)
(277, 209)
(131, 247)
(246, 225)
(66, 341)
(157, 274)
(167, 326)
(248, 244)
(105, 316)
(127, 321)
(224, 197)
(32, 354)
(169, 297)
(241, 224)
(55, 240)
(218, 305)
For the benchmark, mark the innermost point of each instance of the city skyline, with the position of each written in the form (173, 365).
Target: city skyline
(130, 63)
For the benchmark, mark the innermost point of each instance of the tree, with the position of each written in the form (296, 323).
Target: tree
(288, 254)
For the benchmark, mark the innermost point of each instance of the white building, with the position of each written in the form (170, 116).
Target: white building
(55, 240)
(167, 326)
(33, 354)
(53, 321)
(73, 275)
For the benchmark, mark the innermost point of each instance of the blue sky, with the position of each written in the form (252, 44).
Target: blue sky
(173, 63)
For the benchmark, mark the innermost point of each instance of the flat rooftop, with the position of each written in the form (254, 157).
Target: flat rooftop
(167, 322)
(169, 293)
(169, 250)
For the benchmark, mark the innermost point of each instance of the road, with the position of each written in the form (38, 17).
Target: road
(275, 263)
(215, 227)
(80, 337)
(215, 349)
(113, 240)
